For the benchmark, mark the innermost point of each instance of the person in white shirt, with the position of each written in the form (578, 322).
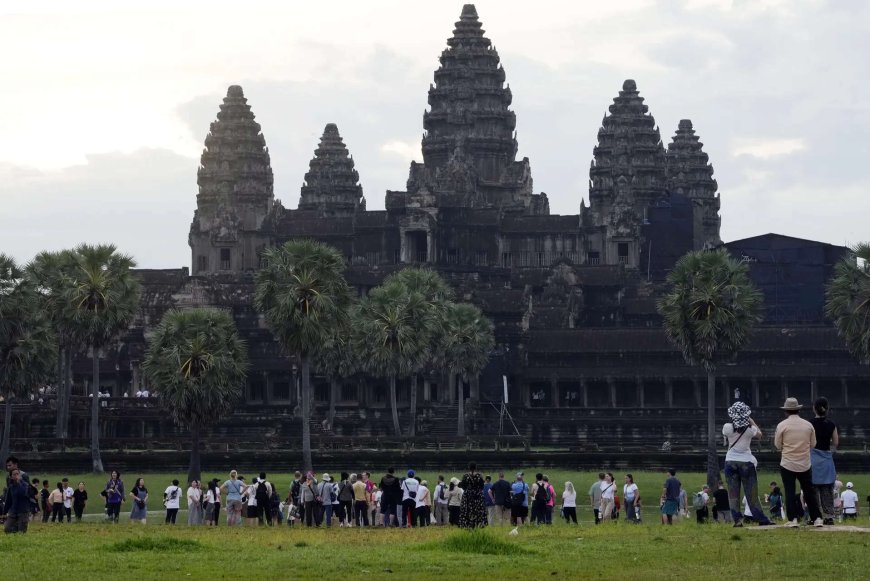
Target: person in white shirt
(172, 500)
(252, 514)
(569, 503)
(740, 464)
(424, 502)
(850, 502)
(630, 499)
(409, 502)
(608, 492)
(194, 504)
(68, 493)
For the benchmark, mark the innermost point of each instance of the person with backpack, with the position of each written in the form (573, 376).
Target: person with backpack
(391, 497)
(699, 504)
(249, 496)
(441, 512)
(310, 501)
(172, 500)
(740, 471)
(263, 494)
(608, 492)
(540, 497)
(295, 495)
(519, 501)
(345, 501)
(325, 492)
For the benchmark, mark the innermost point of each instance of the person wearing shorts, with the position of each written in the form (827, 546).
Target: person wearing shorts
(670, 497)
(519, 501)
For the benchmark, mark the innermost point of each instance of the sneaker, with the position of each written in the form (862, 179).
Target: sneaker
(767, 524)
(818, 523)
(828, 522)
(792, 524)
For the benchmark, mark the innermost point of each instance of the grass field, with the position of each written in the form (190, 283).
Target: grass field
(615, 551)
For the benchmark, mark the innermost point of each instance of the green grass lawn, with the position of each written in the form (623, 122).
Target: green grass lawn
(615, 551)
(649, 483)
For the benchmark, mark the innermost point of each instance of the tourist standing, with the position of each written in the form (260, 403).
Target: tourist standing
(551, 500)
(56, 500)
(540, 497)
(700, 504)
(472, 513)
(16, 502)
(795, 437)
(139, 494)
(775, 500)
(569, 503)
(217, 501)
(172, 502)
(252, 512)
(721, 505)
(360, 501)
(114, 496)
(43, 499)
(232, 489)
(670, 497)
(424, 504)
(374, 498)
(740, 463)
(608, 490)
(80, 501)
(296, 493)
(325, 491)
(441, 511)
(391, 498)
(210, 495)
(454, 501)
(194, 504)
(263, 494)
(500, 493)
(67, 499)
(822, 459)
(595, 497)
(519, 501)
(409, 499)
(850, 502)
(309, 501)
(487, 500)
(631, 498)
(345, 500)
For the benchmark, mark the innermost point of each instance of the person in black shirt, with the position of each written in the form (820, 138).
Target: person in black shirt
(824, 472)
(721, 506)
(80, 500)
(391, 497)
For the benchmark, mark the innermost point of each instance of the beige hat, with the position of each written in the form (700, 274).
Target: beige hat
(791, 404)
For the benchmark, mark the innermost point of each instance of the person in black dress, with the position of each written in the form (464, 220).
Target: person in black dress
(472, 511)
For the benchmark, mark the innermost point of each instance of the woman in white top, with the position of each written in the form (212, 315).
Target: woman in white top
(251, 510)
(210, 496)
(569, 503)
(172, 501)
(424, 502)
(740, 464)
(608, 491)
(194, 504)
(630, 499)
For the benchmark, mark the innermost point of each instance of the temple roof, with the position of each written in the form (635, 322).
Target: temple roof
(331, 184)
(689, 170)
(235, 161)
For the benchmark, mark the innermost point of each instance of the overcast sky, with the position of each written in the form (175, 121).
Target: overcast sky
(105, 109)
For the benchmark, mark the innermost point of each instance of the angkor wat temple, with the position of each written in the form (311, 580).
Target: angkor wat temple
(572, 297)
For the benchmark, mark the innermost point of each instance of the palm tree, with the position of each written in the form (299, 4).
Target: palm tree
(200, 364)
(391, 330)
(848, 301)
(709, 313)
(336, 359)
(302, 293)
(437, 296)
(102, 299)
(52, 273)
(469, 343)
(27, 344)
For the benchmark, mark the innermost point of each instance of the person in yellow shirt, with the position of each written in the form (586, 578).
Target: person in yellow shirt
(795, 437)
(360, 501)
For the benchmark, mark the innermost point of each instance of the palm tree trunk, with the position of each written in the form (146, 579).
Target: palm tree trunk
(67, 390)
(333, 395)
(412, 424)
(61, 393)
(394, 405)
(306, 415)
(7, 430)
(194, 472)
(460, 400)
(712, 460)
(95, 415)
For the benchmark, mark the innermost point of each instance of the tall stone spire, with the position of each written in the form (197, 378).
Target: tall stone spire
(331, 185)
(691, 174)
(469, 146)
(235, 191)
(629, 157)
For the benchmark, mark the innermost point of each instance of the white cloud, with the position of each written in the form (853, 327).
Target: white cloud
(404, 149)
(766, 148)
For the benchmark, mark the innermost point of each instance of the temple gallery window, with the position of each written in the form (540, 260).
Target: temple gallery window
(202, 263)
(593, 258)
(417, 247)
(622, 252)
(225, 259)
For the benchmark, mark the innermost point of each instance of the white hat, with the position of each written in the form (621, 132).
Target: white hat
(849, 485)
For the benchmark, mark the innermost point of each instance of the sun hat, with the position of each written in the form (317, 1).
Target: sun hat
(791, 404)
(520, 474)
(849, 485)
(326, 477)
(454, 480)
(739, 414)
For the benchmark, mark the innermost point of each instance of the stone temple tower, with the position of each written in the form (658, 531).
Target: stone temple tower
(331, 185)
(690, 174)
(627, 175)
(235, 192)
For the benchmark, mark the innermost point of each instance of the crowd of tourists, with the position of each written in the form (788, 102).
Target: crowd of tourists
(477, 499)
